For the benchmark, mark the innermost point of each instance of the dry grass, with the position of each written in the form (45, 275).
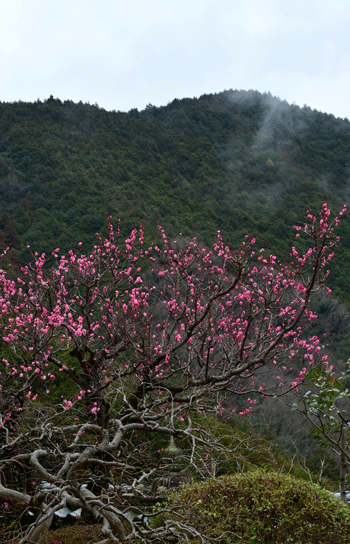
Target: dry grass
(78, 534)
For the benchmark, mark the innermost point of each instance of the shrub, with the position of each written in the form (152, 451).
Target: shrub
(259, 507)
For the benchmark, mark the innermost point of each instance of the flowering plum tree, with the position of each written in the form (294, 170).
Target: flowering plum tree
(102, 352)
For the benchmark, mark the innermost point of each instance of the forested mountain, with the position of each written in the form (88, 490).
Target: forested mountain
(241, 162)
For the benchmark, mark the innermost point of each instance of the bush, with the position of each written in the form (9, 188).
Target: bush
(260, 507)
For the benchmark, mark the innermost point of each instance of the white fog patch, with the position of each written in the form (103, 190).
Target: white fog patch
(278, 123)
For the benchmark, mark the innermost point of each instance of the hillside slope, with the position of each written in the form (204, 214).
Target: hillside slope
(238, 161)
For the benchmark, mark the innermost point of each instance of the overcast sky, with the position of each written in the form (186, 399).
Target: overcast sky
(127, 54)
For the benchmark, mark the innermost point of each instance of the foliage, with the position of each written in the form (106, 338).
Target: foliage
(325, 401)
(326, 406)
(143, 360)
(261, 507)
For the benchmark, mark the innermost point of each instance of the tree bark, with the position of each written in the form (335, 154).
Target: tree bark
(343, 467)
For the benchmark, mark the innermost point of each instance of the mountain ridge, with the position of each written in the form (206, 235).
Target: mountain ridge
(238, 161)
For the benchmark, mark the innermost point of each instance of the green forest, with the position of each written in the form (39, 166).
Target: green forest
(241, 162)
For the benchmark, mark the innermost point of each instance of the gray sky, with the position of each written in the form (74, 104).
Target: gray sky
(127, 54)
